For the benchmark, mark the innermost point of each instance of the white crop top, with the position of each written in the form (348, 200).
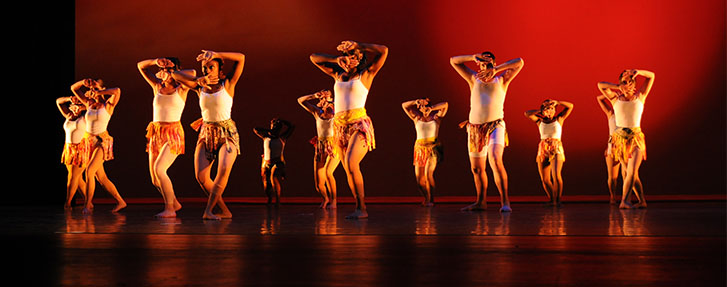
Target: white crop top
(349, 95)
(487, 101)
(628, 113)
(272, 148)
(550, 130)
(425, 130)
(168, 108)
(75, 129)
(217, 106)
(324, 127)
(97, 120)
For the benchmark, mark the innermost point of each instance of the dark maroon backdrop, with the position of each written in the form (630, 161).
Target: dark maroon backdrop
(568, 46)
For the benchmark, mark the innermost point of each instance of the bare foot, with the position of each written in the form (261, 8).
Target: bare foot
(177, 205)
(505, 208)
(612, 201)
(475, 207)
(210, 216)
(67, 206)
(324, 203)
(119, 206)
(427, 204)
(358, 214)
(641, 204)
(224, 215)
(332, 205)
(87, 210)
(626, 205)
(166, 214)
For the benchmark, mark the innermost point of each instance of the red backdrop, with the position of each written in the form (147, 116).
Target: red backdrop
(568, 46)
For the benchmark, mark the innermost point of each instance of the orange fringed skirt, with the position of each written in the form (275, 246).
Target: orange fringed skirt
(75, 154)
(625, 141)
(214, 135)
(346, 123)
(427, 149)
(102, 140)
(479, 135)
(160, 133)
(550, 148)
(324, 148)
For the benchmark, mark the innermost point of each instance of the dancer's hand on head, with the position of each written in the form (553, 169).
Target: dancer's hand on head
(325, 93)
(88, 83)
(206, 55)
(164, 63)
(347, 46)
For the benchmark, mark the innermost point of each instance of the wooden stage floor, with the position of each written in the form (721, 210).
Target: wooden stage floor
(672, 243)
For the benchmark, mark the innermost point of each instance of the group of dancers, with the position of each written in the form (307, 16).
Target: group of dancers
(345, 133)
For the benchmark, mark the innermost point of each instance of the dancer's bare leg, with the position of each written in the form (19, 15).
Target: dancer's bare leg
(276, 182)
(331, 165)
(93, 165)
(500, 175)
(429, 170)
(109, 186)
(557, 177)
(478, 165)
(225, 158)
(639, 191)
(635, 193)
(159, 172)
(544, 170)
(354, 154)
(75, 181)
(613, 169)
(632, 170)
(420, 174)
(202, 167)
(268, 187)
(94, 172)
(319, 176)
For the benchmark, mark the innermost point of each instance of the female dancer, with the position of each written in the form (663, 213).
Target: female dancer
(320, 105)
(487, 135)
(216, 91)
(550, 149)
(612, 164)
(165, 135)
(629, 145)
(428, 150)
(353, 75)
(73, 150)
(100, 104)
(272, 168)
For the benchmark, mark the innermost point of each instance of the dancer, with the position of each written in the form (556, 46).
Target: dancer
(486, 125)
(629, 145)
(74, 151)
(164, 135)
(428, 150)
(353, 73)
(551, 156)
(273, 165)
(100, 105)
(612, 163)
(218, 138)
(320, 105)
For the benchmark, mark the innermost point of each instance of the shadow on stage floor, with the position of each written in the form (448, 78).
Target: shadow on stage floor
(581, 244)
